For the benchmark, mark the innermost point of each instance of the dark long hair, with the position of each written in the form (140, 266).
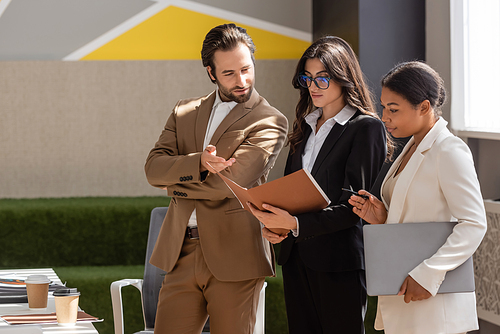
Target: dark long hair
(416, 82)
(343, 68)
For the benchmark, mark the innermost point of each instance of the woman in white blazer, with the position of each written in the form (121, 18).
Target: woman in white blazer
(433, 179)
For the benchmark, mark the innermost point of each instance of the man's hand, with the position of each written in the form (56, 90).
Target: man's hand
(413, 291)
(215, 163)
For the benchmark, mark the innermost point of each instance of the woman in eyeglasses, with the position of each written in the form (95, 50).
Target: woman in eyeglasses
(339, 138)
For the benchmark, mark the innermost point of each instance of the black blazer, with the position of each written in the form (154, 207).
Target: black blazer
(351, 156)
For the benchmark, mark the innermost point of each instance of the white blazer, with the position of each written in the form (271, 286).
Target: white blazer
(439, 183)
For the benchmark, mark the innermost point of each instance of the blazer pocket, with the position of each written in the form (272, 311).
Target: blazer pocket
(233, 211)
(233, 206)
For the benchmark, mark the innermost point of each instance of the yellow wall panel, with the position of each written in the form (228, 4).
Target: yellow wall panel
(176, 33)
(270, 45)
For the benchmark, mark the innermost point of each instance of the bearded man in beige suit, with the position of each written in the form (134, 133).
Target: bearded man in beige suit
(212, 250)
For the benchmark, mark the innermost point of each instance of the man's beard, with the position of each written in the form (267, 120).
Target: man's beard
(228, 94)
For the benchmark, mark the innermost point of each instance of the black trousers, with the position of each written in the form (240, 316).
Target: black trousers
(323, 302)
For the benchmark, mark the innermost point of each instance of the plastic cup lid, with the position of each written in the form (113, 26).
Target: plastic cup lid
(64, 292)
(37, 279)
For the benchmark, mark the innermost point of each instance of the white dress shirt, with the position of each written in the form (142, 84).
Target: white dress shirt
(219, 111)
(317, 139)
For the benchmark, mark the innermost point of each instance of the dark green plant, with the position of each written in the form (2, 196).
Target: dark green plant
(75, 231)
(95, 299)
(371, 312)
(92, 242)
(275, 320)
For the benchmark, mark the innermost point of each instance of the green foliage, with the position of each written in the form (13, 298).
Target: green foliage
(371, 312)
(75, 231)
(95, 299)
(91, 242)
(276, 321)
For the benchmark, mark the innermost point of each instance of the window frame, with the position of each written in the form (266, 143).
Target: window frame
(459, 40)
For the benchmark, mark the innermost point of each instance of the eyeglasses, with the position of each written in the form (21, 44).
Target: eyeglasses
(320, 82)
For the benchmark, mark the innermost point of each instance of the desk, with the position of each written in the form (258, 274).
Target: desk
(22, 308)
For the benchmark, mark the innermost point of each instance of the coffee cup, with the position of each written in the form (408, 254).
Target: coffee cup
(66, 300)
(37, 287)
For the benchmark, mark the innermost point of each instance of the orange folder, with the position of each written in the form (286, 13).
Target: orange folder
(296, 193)
(49, 318)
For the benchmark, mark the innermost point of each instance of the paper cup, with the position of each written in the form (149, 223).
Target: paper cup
(66, 300)
(37, 287)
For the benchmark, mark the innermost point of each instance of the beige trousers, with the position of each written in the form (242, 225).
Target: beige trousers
(190, 293)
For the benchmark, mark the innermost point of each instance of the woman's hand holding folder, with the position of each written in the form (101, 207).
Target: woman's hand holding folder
(276, 220)
(273, 237)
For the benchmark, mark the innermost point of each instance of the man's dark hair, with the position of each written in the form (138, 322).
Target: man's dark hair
(224, 38)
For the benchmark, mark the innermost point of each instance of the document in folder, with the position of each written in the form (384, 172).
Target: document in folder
(296, 193)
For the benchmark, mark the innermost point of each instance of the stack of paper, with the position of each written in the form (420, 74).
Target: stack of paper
(13, 289)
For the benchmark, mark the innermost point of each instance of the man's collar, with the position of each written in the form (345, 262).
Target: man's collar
(218, 100)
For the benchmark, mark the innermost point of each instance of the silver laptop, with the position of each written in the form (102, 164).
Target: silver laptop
(393, 250)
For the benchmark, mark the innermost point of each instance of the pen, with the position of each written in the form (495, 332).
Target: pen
(355, 193)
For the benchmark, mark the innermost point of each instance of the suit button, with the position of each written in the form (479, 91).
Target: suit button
(190, 177)
(181, 178)
(175, 193)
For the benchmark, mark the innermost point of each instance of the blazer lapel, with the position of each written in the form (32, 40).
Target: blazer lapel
(328, 145)
(398, 199)
(203, 110)
(240, 110)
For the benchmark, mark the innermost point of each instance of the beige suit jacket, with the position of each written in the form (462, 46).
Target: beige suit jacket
(253, 133)
(439, 183)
